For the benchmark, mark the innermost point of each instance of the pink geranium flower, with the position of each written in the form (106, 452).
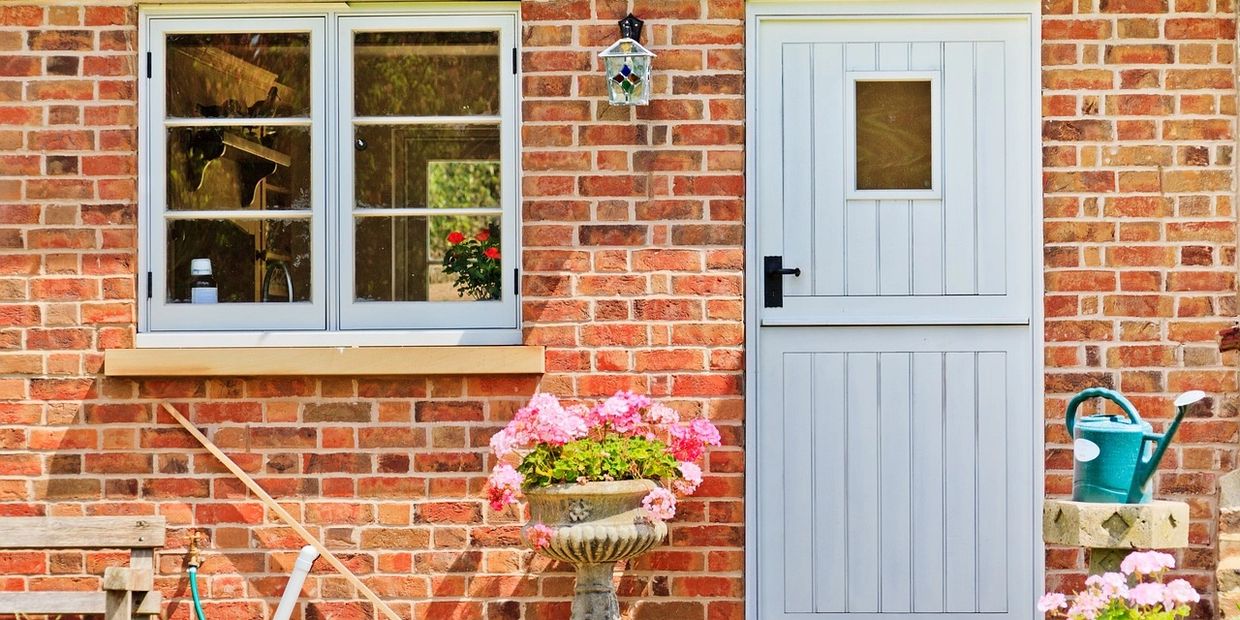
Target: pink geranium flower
(690, 480)
(660, 504)
(1147, 594)
(540, 536)
(689, 440)
(1180, 592)
(622, 413)
(1135, 593)
(504, 486)
(1146, 563)
(1052, 600)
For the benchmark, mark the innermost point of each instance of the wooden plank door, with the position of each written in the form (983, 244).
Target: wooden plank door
(895, 406)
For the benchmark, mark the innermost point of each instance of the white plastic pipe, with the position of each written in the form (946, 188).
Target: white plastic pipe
(292, 590)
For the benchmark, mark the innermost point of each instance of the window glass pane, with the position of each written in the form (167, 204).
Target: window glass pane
(224, 168)
(251, 260)
(238, 75)
(427, 166)
(426, 73)
(428, 258)
(894, 135)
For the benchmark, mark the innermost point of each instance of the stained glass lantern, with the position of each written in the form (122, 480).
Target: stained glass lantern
(627, 66)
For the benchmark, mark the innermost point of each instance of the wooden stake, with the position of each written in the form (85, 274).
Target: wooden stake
(280, 512)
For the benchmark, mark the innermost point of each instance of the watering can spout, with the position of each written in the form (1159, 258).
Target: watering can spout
(1146, 466)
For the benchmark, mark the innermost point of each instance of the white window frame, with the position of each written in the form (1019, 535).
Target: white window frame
(331, 318)
(166, 316)
(392, 314)
(850, 140)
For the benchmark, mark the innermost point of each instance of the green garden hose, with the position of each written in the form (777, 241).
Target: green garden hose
(193, 589)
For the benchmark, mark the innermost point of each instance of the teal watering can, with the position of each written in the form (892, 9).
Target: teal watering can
(1115, 455)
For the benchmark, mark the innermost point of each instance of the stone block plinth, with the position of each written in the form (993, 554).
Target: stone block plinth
(1111, 531)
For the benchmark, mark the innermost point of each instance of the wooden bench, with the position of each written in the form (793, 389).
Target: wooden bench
(127, 591)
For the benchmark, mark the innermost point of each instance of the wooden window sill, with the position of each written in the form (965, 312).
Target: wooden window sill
(324, 361)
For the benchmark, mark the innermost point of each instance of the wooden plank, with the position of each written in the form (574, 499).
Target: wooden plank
(52, 602)
(893, 56)
(81, 532)
(895, 247)
(895, 483)
(324, 361)
(864, 570)
(798, 157)
(927, 557)
(927, 247)
(145, 603)
(798, 453)
(960, 460)
(771, 483)
(960, 206)
(926, 56)
(828, 169)
(128, 579)
(991, 175)
(830, 481)
(148, 604)
(861, 247)
(860, 57)
(992, 479)
(281, 512)
(118, 605)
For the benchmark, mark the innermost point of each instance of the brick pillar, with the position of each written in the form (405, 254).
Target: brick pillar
(1139, 133)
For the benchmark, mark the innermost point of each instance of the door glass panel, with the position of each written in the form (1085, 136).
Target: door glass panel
(426, 73)
(252, 260)
(428, 258)
(894, 135)
(226, 168)
(427, 166)
(238, 75)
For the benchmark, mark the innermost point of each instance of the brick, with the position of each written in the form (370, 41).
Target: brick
(1054, 29)
(1200, 28)
(1133, 6)
(76, 40)
(1142, 54)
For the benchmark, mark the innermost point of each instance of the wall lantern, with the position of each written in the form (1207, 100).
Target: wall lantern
(627, 66)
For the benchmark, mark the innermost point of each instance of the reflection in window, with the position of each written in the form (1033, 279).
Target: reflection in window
(429, 169)
(894, 135)
(239, 163)
(426, 73)
(280, 272)
(238, 75)
(402, 258)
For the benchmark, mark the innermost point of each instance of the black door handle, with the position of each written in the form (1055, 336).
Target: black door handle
(773, 267)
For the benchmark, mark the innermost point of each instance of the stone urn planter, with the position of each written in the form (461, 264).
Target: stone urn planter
(593, 526)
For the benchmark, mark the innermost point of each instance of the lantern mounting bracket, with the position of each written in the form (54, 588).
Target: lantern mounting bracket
(631, 27)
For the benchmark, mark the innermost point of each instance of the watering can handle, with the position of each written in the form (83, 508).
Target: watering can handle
(1100, 392)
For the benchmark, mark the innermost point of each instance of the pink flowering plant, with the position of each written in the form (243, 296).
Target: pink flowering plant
(1137, 592)
(626, 437)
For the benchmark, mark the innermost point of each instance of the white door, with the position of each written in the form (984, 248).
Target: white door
(895, 420)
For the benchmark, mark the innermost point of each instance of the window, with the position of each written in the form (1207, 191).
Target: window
(894, 131)
(330, 178)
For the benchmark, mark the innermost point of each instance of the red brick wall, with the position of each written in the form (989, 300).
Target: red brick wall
(632, 230)
(1139, 133)
(632, 280)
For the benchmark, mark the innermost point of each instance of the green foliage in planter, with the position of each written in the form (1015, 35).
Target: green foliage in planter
(593, 460)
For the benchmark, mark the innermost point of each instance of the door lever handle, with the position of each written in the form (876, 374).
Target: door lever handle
(773, 266)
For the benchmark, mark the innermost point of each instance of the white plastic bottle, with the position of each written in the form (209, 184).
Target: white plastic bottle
(202, 288)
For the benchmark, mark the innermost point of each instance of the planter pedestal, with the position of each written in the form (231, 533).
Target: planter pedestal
(1111, 531)
(594, 598)
(594, 525)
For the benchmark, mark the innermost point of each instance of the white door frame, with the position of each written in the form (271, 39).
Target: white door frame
(757, 11)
